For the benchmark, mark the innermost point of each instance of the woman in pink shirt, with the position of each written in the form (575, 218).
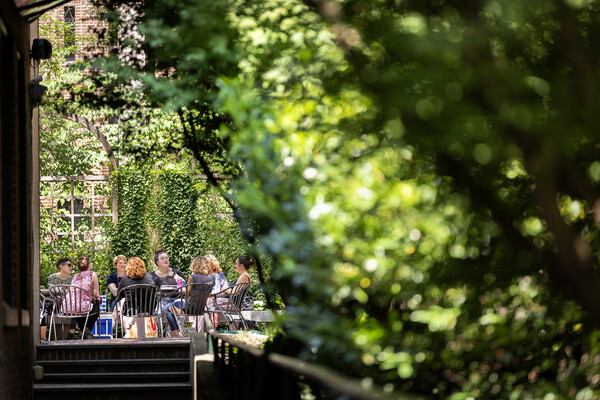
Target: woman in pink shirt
(87, 280)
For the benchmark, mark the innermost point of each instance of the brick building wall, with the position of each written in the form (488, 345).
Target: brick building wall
(84, 23)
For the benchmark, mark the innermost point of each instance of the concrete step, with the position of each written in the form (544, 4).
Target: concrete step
(113, 349)
(115, 377)
(112, 391)
(114, 369)
(115, 365)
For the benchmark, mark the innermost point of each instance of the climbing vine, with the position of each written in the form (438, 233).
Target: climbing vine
(130, 235)
(176, 210)
(177, 218)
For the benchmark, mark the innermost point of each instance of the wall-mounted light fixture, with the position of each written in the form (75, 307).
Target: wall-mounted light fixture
(41, 49)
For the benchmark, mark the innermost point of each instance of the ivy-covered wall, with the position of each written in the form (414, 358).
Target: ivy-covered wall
(171, 209)
(177, 211)
(130, 235)
(176, 218)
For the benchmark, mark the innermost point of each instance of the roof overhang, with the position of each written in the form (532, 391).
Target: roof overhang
(33, 9)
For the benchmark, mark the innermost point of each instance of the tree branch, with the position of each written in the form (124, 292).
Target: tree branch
(572, 268)
(237, 215)
(99, 135)
(107, 148)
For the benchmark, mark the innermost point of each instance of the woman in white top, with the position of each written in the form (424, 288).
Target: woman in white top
(220, 279)
(242, 266)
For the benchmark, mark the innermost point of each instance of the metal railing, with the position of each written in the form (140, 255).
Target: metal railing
(251, 373)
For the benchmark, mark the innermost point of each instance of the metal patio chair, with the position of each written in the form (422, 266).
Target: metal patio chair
(193, 304)
(46, 306)
(140, 301)
(68, 301)
(230, 304)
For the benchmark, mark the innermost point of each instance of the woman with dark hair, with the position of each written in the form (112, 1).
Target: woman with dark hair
(242, 266)
(165, 275)
(62, 277)
(87, 280)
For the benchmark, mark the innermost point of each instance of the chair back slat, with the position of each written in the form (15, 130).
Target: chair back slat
(236, 297)
(140, 300)
(195, 296)
(70, 301)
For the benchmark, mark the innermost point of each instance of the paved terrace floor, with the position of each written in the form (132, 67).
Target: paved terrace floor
(108, 342)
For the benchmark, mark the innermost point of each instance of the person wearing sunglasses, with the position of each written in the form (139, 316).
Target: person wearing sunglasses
(63, 277)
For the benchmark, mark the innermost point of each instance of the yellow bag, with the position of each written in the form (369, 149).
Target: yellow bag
(141, 327)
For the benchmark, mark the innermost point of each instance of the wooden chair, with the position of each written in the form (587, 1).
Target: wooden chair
(140, 301)
(228, 303)
(69, 302)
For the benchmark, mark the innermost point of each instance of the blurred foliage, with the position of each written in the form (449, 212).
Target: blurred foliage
(422, 174)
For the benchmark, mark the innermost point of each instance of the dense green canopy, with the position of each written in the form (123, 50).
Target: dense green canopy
(423, 175)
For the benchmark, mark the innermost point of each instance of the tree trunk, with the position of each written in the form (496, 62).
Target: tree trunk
(107, 148)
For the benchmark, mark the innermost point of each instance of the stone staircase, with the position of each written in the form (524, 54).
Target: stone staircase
(114, 369)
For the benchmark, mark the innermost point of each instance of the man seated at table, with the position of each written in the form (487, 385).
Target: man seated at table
(62, 277)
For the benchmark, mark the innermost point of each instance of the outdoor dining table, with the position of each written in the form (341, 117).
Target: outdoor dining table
(167, 293)
(46, 299)
(45, 295)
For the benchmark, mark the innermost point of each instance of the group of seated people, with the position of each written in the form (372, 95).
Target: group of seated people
(204, 269)
(85, 279)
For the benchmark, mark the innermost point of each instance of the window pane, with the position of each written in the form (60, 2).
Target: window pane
(70, 32)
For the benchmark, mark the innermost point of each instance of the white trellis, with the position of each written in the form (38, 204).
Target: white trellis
(98, 205)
